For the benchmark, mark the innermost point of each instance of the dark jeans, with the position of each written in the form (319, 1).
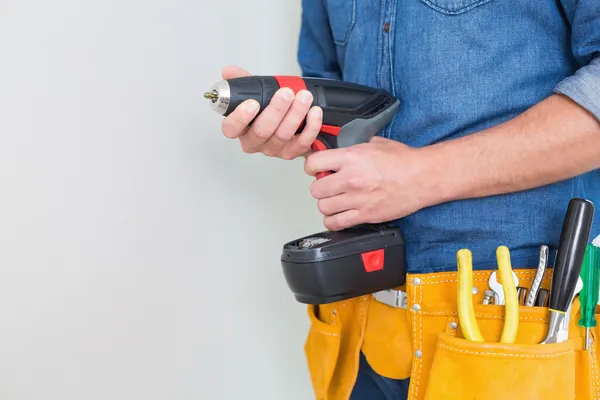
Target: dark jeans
(371, 386)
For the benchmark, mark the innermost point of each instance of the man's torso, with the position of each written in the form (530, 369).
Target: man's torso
(458, 67)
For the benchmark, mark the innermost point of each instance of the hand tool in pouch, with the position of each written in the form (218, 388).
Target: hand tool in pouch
(521, 294)
(539, 276)
(573, 241)
(488, 296)
(542, 298)
(331, 266)
(563, 331)
(590, 273)
(466, 312)
(498, 289)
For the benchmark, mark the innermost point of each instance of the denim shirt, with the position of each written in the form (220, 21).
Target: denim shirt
(458, 67)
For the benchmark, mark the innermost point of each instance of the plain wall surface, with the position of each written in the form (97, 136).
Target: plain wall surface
(139, 248)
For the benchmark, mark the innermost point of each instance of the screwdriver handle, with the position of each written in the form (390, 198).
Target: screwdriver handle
(569, 259)
(589, 295)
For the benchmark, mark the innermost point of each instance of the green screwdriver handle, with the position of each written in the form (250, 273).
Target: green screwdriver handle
(590, 275)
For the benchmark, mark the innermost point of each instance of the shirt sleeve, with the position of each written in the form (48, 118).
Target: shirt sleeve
(317, 52)
(583, 87)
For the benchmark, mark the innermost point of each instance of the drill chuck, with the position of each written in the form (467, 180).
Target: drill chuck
(219, 97)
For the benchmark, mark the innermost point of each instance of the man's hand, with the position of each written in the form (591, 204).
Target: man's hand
(373, 182)
(384, 180)
(273, 132)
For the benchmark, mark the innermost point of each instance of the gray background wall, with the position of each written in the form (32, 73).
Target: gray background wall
(129, 270)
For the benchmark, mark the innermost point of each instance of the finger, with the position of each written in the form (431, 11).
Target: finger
(236, 123)
(289, 125)
(323, 161)
(329, 186)
(337, 204)
(343, 220)
(294, 117)
(300, 144)
(231, 71)
(267, 122)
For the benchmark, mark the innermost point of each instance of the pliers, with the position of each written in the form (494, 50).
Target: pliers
(466, 313)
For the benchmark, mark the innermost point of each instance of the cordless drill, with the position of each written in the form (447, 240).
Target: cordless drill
(331, 265)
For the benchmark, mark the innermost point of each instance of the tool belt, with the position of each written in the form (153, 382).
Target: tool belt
(419, 337)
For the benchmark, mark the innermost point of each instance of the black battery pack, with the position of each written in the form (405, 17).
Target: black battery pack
(332, 266)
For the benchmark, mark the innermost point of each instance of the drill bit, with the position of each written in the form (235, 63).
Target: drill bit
(211, 96)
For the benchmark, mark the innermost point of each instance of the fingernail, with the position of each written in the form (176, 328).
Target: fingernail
(305, 97)
(252, 106)
(316, 112)
(287, 94)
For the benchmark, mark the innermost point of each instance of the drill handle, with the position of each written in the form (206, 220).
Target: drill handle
(352, 113)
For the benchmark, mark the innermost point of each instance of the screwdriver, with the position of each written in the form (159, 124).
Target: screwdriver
(567, 268)
(591, 284)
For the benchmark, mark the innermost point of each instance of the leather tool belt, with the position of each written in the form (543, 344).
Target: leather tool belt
(414, 332)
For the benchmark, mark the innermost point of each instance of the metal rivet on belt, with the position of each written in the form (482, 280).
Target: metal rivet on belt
(453, 325)
(475, 290)
(416, 281)
(416, 307)
(418, 354)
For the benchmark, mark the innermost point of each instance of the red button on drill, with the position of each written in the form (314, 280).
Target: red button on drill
(373, 260)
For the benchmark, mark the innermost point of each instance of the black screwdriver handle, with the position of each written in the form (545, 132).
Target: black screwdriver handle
(573, 241)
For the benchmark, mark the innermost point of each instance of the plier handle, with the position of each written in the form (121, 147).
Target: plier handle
(466, 312)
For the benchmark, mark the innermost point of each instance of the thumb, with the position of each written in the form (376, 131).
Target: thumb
(232, 71)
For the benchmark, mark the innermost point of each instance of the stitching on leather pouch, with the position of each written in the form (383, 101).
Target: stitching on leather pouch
(595, 379)
(487, 353)
(456, 280)
(326, 333)
(481, 316)
(416, 361)
(420, 341)
(454, 275)
(452, 281)
(449, 312)
(412, 383)
(482, 275)
(477, 272)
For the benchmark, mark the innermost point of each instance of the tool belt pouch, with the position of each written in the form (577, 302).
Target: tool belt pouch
(421, 339)
(447, 366)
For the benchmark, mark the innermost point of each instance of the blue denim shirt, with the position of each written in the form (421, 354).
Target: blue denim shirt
(460, 66)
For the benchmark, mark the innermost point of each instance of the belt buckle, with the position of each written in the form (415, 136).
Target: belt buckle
(392, 298)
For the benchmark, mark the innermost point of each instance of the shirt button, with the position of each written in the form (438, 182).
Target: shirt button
(386, 27)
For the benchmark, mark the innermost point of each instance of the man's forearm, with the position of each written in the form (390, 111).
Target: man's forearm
(554, 140)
